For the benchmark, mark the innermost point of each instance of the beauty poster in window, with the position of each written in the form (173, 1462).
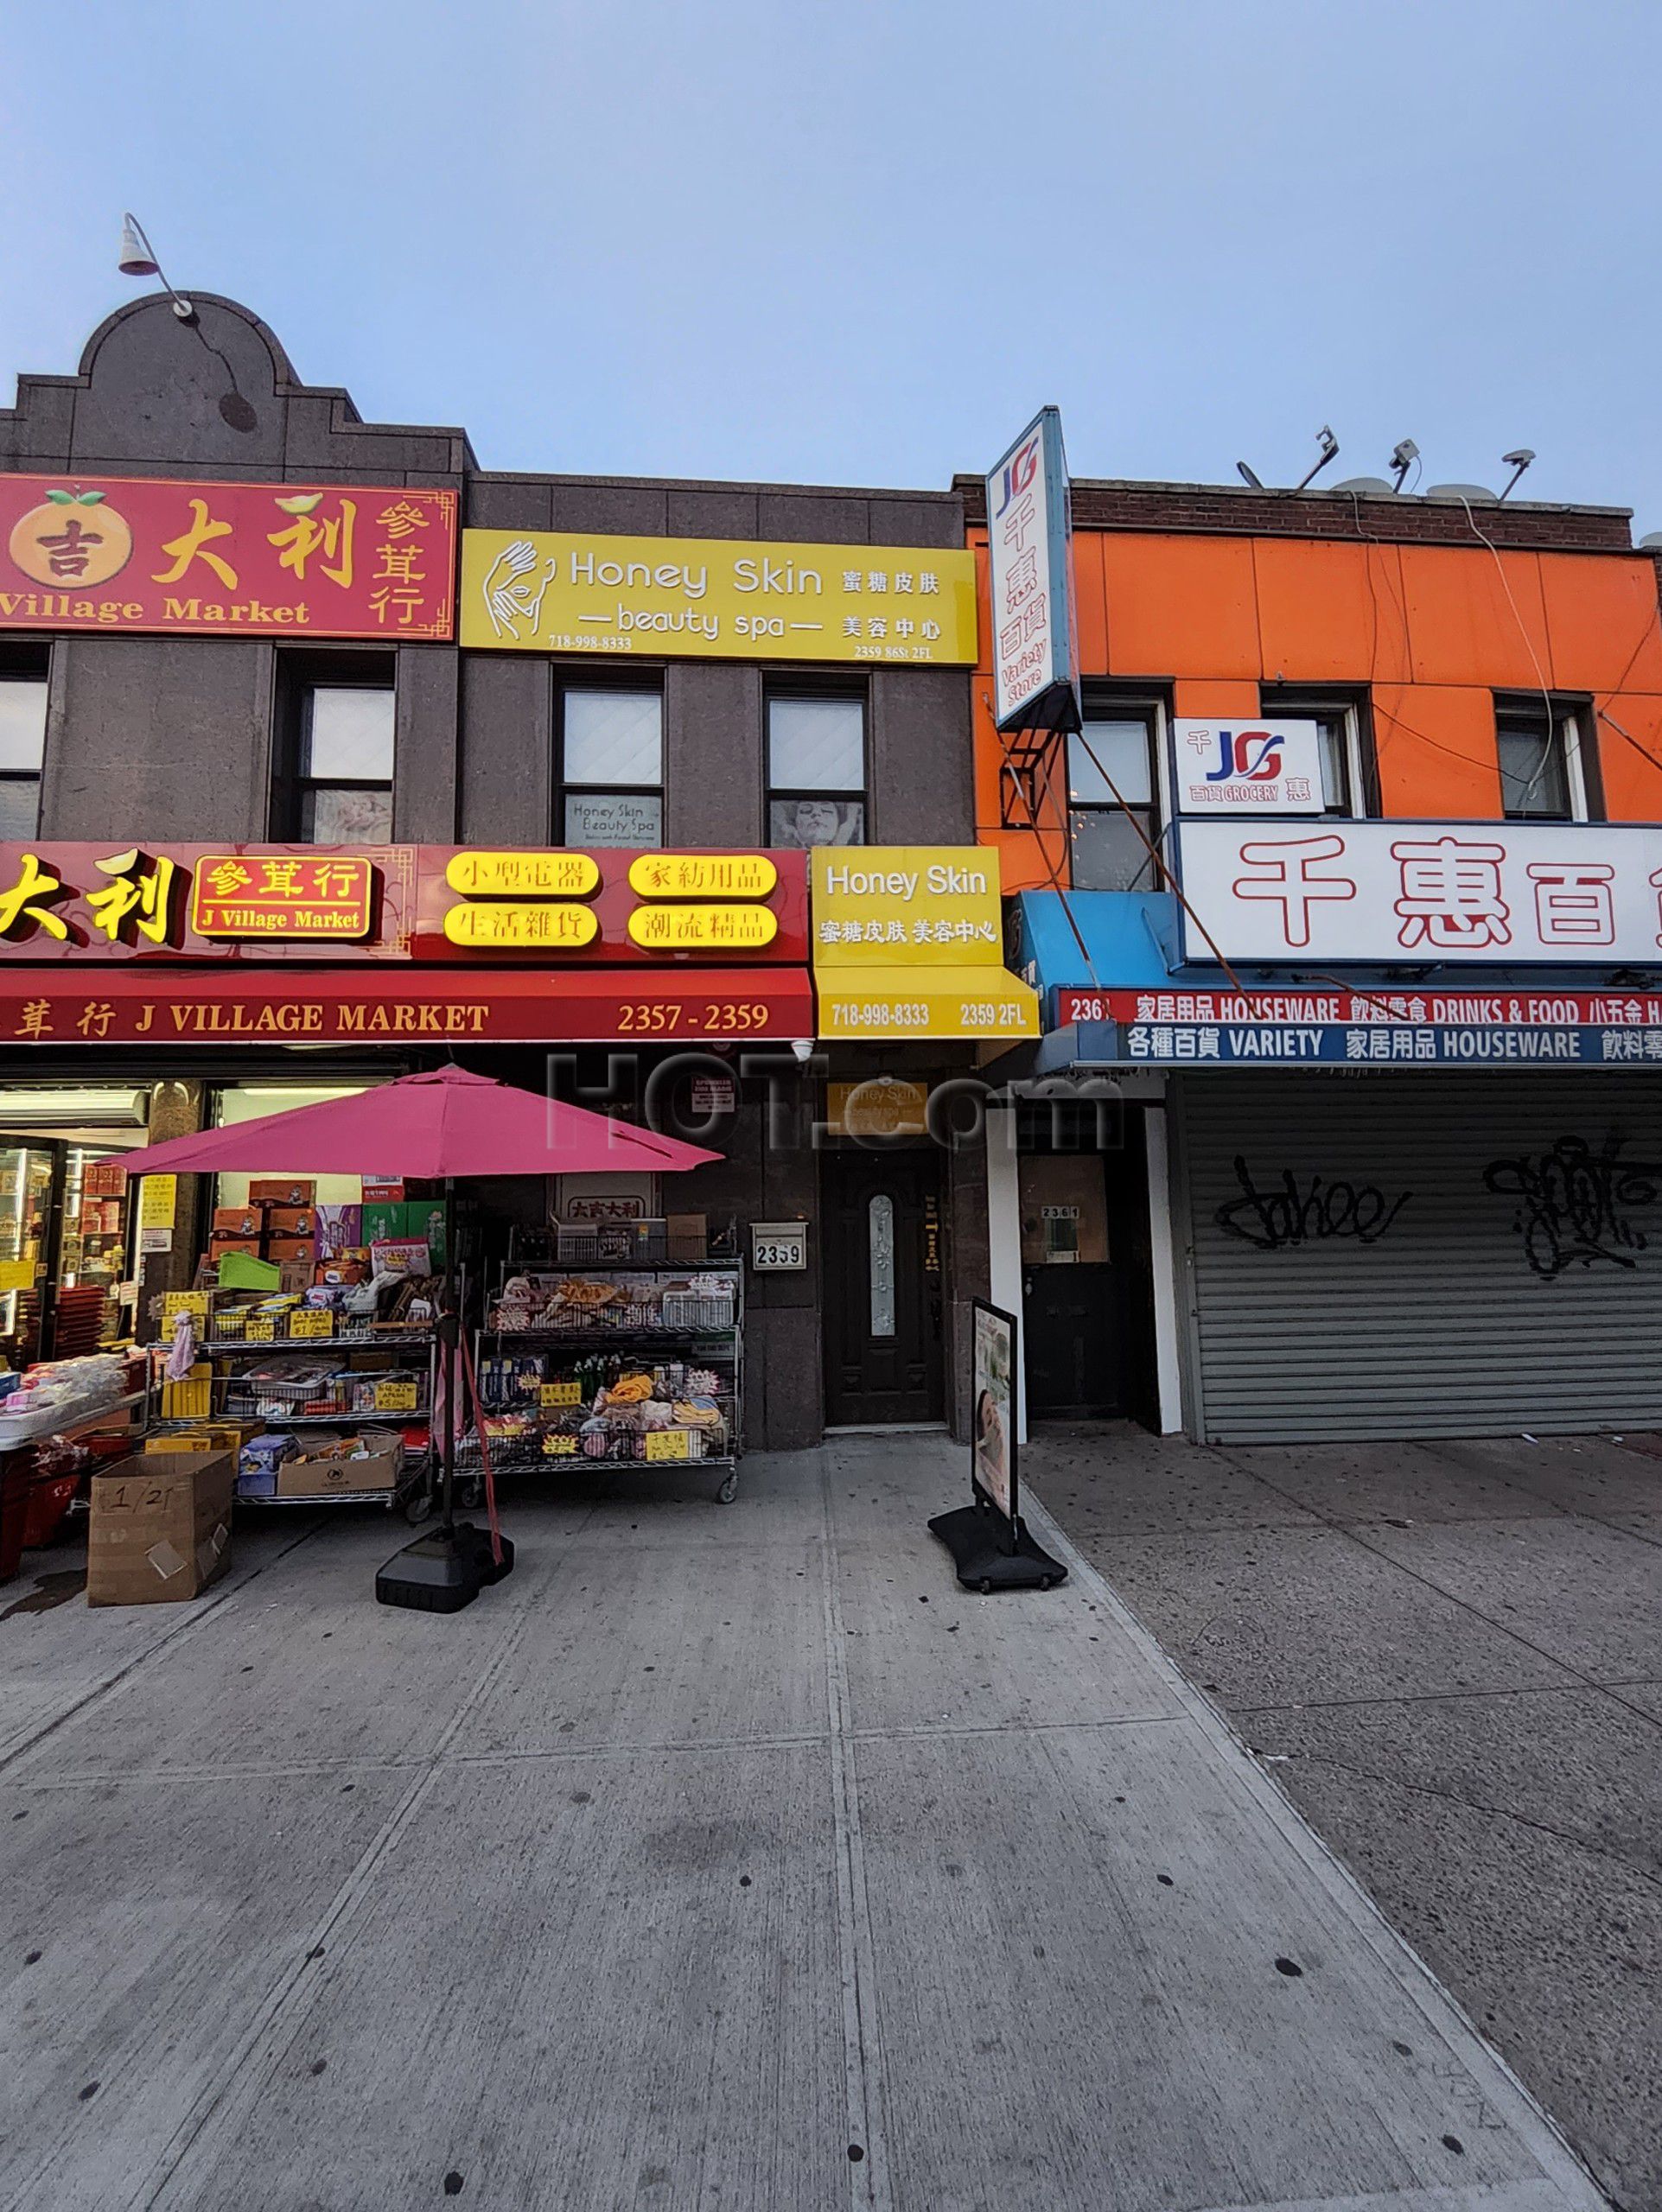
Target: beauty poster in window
(798, 824)
(993, 1409)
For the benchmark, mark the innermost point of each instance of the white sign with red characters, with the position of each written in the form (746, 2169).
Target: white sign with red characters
(1248, 768)
(1030, 578)
(1424, 892)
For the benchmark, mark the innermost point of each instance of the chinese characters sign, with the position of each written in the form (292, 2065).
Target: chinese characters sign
(237, 895)
(1424, 891)
(909, 943)
(722, 599)
(1248, 768)
(906, 906)
(80, 902)
(1027, 538)
(1446, 1028)
(146, 553)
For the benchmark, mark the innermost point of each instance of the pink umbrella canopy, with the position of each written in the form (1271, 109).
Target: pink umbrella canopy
(448, 1123)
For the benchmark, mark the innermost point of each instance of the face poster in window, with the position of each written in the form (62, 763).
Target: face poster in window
(797, 824)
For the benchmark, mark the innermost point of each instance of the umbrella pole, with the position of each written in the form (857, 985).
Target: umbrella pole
(449, 1328)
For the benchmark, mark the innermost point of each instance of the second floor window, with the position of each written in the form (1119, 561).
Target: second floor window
(22, 746)
(1543, 762)
(338, 790)
(816, 771)
(1339, 729)
(611, 761)
(1113, 753)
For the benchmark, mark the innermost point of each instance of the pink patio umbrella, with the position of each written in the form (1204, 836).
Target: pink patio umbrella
(446, 1123)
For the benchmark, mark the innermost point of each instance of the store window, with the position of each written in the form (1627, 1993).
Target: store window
(334, 757)
(1112, 798)
(1547, 770)
(248, 1102)
(816, 770)
(22, 745)
(1342, 734)
(610, 761)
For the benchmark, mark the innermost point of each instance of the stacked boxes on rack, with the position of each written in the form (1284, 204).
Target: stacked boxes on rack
(279, 1223)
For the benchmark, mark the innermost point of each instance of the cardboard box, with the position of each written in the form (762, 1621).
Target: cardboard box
(239, 1221)
(685, 1234)
(315, 1474)
(221, 1242)
(292, 1221)
(380, 1189)
(382, 1223)
(160, 1527)
(422, 1221)
(340, 1273)
(290, 1248)
(282, 1191)
(340, 1229)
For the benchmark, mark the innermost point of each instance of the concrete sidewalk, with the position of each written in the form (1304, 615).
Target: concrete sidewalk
(721, 1857)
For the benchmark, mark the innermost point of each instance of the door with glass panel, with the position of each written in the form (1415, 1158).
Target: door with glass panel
(883, 1317)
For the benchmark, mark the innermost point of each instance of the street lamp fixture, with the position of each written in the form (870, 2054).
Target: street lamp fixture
(137, 259)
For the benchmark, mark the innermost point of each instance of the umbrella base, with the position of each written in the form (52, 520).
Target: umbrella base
(442, 1570)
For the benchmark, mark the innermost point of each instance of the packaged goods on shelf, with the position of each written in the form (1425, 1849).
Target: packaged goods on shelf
(282, 1191)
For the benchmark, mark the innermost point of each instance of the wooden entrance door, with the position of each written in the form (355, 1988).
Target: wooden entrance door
(883, 1321)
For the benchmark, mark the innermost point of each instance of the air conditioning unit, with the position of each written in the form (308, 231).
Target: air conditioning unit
(28, 1108)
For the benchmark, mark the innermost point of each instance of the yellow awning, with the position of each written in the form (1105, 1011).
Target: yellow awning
(923, 1001)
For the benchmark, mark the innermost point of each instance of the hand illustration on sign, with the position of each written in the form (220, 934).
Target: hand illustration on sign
(511, 597)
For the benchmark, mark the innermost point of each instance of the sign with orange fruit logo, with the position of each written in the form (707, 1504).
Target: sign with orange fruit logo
(296, 560)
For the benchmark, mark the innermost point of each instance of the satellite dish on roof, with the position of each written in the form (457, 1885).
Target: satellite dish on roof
(1366, 488)
(1479, 494)
(1652, 543)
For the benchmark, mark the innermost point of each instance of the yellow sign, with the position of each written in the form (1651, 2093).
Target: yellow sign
(17, 1274)
(684, 929)
(895, 1003)
(559, 1447)
(185, 1302)
(522, 876)
(311, 1321)
(906, 906)
(559, 1393)
(260, 1332)
(158, 1199)
(667, 1444)
(703, 875)
(882, 1106)
(544, 928)
(395, 1397)
(722, 599)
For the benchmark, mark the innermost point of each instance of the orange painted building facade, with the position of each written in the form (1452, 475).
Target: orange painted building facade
(1204, 598)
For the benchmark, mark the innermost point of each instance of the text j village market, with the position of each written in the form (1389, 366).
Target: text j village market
(1217, 928)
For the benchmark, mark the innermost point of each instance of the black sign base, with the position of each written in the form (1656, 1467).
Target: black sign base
(979, 1540)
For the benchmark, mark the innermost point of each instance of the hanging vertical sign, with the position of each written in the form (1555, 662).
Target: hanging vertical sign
(1035, 683)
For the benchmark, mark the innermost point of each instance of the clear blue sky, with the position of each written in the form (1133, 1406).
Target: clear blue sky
(848, 243)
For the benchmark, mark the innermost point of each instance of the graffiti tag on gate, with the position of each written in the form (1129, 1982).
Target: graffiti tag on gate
(1575, 1206)
(1283, 1216)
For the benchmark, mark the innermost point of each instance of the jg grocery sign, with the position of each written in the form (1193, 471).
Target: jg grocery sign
(1424, 892)
(717, 599)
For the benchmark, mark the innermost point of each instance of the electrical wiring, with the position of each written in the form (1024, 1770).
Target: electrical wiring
(1483, 538)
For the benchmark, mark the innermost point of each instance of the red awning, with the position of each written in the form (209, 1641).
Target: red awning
(66, 1006)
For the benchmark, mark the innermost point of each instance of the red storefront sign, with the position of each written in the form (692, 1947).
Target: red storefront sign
(130, 1006)
(457, 906)
(1489, 1005)
(240, 898)
(278, 560)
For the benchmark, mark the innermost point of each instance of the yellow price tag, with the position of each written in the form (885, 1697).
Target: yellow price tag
(185, 1302)
(666, 1443)
(311, 1321)
(260, 1332)
(395, 1397)
(560, 1394)
(559, 1447)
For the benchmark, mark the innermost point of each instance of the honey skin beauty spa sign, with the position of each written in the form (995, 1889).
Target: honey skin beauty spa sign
(718, 599)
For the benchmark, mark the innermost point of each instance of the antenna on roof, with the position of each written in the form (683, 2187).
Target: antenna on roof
(1330, 446)
(1517, 462)
(1249, 476)
(1404, 455)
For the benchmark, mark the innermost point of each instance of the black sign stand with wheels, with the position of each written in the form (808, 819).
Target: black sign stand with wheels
(990, 1547)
